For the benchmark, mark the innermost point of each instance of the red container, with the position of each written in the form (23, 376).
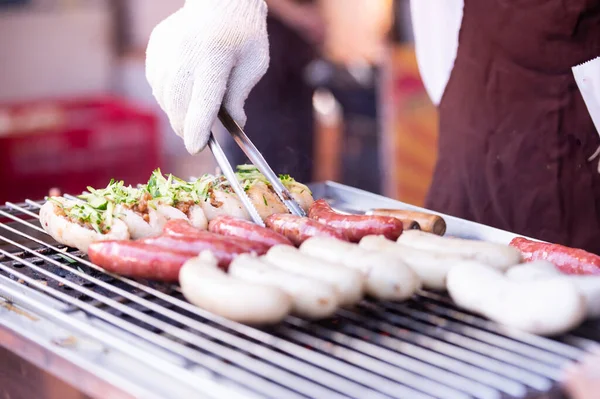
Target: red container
(72, 144)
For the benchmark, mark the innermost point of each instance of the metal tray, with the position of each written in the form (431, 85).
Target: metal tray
(351, 199)
(145, 340)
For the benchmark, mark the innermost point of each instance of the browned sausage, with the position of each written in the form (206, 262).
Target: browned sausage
(355, 227)
(408, 224)
(138, 260)
(182, 228)
(568, 260)
(298, 229)
(233, 227)
(428, 222)
(223, 250)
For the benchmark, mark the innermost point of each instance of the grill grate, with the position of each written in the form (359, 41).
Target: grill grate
(424, 348)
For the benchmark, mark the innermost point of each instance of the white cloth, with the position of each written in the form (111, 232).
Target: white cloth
(208, 53)
(436, 24)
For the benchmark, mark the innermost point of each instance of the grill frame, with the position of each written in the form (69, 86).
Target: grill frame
(415, 349)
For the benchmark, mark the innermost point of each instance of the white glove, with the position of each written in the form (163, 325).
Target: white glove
(436, 24)
(207, 53)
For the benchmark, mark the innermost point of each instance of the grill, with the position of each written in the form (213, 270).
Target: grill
(164, 347)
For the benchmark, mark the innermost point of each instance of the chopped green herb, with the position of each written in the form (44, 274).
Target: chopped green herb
(265, 200)
(66, 258)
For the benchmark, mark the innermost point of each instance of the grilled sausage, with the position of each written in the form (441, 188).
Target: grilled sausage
(348, 283)
(181, 228)
(544, 307)
(496, 255)
(208, 287)
(138, 260)
(224, 251)
(355, 227)
(387, 277)
(427, 222)
(298, 229)
(230, 226)
(311, 298)
(568, 260)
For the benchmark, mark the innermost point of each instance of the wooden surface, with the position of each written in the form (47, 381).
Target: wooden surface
(29, 371)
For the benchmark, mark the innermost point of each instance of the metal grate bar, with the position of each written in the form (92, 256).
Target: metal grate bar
(483, 336)
(463, 341)
(479, 360)
(435, 357)
(425, 348)
(318, 375)
(190, 354)
(413, 372)
(325, 361)
(433, 305)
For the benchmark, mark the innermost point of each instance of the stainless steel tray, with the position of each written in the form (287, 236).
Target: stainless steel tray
(144, 339)
(353, 199)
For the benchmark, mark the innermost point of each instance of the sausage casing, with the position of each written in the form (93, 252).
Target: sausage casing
(138, 260)
(355, 227)
(568, 260)
(427, 222)
(298, 229)
(234, 227)
(210, 288)
(182, 228)
(222, 250)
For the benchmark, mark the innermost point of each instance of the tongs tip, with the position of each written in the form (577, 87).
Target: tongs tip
(258, 160)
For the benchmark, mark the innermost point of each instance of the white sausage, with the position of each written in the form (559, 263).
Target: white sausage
(72, 234)
(432, 268)
(348, 283)
(311, 298)
(588, 286)
(545, 307)
(387, 276)
(533, 271)
(208, 287)
(497, 255)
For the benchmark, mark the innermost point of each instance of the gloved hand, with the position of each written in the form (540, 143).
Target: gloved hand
(210, 52)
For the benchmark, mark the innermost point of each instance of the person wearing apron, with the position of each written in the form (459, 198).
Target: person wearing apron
(515, 136)
(279, 108)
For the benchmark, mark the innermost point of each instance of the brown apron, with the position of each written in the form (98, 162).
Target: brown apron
(515, 135)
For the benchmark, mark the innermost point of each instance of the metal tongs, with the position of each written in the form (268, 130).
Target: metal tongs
(257, 159)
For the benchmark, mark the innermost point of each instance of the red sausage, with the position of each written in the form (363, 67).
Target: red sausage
(223, 250)
(233, 227)
(355, 227)
(182, 228)
(568, 260)
(298, 229)
(138, 260)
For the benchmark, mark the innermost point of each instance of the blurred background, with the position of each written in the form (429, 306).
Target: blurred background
(76, 110)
